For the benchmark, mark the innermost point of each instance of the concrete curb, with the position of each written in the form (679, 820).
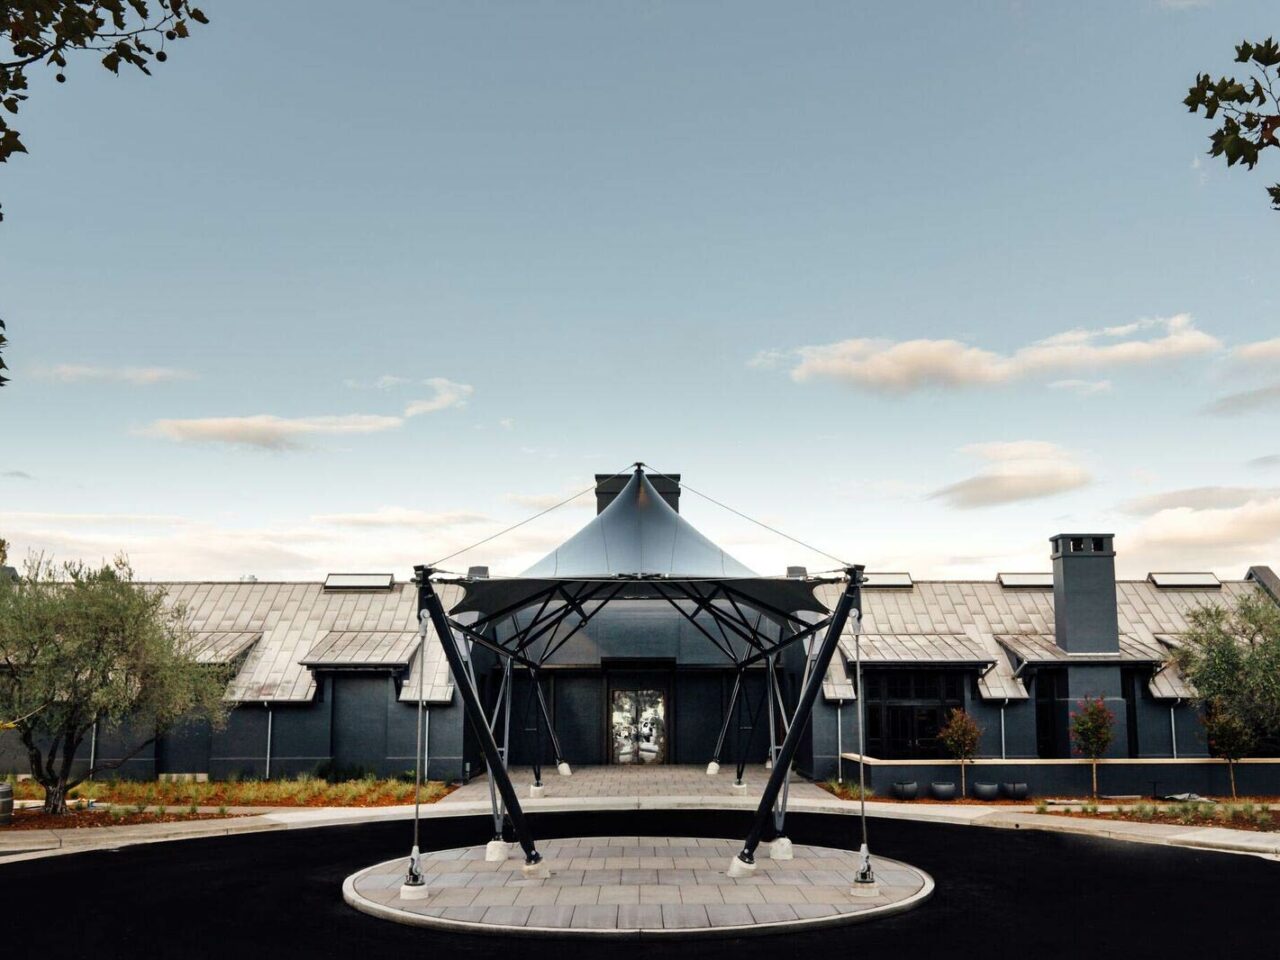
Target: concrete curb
(32, 844)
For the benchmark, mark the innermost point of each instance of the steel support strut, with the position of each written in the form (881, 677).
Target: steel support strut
(546, 716)
(851, 599)
(430, 602)
(728, 717)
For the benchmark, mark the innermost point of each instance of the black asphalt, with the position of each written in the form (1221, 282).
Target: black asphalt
(1000, 893)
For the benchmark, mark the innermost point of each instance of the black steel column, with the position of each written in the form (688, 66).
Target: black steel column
(546, 715)
(728, 716)
(851, 598)
(428, 601)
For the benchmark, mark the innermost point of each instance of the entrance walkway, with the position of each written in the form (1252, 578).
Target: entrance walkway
(638, 780)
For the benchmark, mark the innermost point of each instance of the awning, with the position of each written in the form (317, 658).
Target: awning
(362, 648)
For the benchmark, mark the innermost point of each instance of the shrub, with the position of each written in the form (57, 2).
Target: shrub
(1092, 731)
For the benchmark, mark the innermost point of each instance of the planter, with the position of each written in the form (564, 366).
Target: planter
(905, 789)
(944, 790)
(985, 791)
(1014, 791)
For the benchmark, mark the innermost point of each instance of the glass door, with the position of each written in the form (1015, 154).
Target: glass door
(638, 726)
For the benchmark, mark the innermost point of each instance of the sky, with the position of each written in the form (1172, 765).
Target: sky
(920, 284)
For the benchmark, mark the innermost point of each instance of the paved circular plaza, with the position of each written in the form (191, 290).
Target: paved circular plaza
(636, 887)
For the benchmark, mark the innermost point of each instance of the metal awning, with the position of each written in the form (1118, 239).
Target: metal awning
(362, 648)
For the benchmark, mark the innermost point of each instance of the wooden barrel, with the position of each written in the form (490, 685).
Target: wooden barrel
(6, 804)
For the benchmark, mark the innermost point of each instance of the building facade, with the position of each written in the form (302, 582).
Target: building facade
(326, 676)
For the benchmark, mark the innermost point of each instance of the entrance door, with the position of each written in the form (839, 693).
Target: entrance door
(638, 726)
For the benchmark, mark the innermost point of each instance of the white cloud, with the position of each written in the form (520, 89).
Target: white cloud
(900, 367)
(1270, 460)
(1084, 388)
(137, 376)
(1262, 351)
(178, 549)
(266, 431)
(446, 394)
(1246, 401)
(582, 494)
(1017, 470)
(1198, 539)
(1198, 498)
(506, 423)
(29, 517)
(385, 382)
(400, 517)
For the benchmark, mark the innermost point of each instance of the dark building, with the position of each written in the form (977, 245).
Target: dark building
(326, 674)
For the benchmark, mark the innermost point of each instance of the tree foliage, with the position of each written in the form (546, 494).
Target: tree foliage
(1231, 656)
(82, 645)
(47, 32)
(1249, 108)
(1230, 736)
(1092, 730)
(960, 736)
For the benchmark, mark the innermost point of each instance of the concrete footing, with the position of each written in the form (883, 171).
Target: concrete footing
(781, 849)
(739, 868)
(496, 851)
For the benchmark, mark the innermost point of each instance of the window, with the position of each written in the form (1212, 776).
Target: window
(904, 709)
(1052, 738)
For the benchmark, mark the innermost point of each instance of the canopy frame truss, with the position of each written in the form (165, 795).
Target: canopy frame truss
(722, 601)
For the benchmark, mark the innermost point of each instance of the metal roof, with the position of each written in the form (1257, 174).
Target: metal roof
(223, 646)
(363, 648)
(637, 534)
(291, 618)
(1039, 648)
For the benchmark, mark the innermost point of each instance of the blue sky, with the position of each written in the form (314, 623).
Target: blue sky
(920, 283)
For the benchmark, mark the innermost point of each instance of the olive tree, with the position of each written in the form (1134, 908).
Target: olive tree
(81, 645)
(1231, 657)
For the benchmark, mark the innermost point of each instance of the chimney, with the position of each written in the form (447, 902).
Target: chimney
(608, 486)
(1084, 593)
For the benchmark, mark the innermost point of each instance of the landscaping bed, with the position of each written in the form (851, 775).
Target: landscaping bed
(849, 791)
(1235, 816)
(300, 792)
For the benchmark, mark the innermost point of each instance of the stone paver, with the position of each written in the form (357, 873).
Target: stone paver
(607, 901)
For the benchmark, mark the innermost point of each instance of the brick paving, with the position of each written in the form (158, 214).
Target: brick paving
(627, 886)
(638, 780)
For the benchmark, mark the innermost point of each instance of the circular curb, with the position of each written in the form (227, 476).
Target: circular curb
(384, 912)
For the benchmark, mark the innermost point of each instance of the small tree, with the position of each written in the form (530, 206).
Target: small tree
(1231, 656)
(1091, 732)
(82, 645)
(1231, 737)
(959, 736)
